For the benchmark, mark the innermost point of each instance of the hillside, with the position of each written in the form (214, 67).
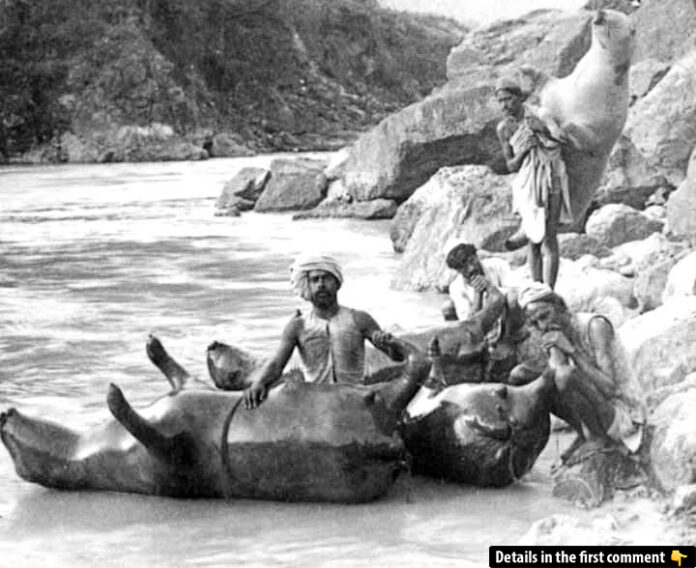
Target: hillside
(109, 80)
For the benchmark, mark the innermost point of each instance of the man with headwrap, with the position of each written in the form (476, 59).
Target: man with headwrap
(330, 339)
(591, 396)
(540, 188)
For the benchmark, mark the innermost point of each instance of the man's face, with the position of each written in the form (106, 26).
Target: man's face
(509, 102)
(472, 267)
(323, 288)
(545, 316)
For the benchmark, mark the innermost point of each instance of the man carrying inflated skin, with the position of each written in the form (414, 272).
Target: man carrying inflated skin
(330, 339)
(540, 188)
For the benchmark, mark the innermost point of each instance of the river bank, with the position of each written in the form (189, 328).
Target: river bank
(96, 257)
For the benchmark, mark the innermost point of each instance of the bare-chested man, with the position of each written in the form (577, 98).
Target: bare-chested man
(582, 363)
(330, 339)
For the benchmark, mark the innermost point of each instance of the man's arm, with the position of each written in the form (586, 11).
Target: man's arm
(382, 340)
(512, 161)
(601, 337)
(487, 317)
(255, 394)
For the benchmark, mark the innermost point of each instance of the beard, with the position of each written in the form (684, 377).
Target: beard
(323, 299)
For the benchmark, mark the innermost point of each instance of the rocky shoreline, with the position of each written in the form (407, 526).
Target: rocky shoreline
(435, 169)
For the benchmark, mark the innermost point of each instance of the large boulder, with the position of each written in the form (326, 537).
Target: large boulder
(615, 224)
(297, 183)
(681, 206)
(630, 178)
(666, 29)
(657, 346)
(662, 125)
(450, 127)
(547, 39)
(467, 204)
(456, 124)
(673, 445)
(246, 185)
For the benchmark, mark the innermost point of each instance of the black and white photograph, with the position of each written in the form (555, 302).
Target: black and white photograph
(347, 283)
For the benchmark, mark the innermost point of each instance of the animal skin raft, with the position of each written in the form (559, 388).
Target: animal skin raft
(306, 442)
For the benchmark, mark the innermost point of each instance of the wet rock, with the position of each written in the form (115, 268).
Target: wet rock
(228, 212)
(673, 447)
(681, 206)
(467, 204)
(247, 185)
(294, 184)
(375, 209)
(596, 477)
(615, 224)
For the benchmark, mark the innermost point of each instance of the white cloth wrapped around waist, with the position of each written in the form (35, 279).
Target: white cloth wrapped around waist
(542, 173)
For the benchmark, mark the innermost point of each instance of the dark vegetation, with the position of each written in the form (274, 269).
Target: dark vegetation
(273, 74)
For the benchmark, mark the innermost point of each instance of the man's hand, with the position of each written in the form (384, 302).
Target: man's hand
(254, 395)
(479, 283)
(382, 340)
(558, 339)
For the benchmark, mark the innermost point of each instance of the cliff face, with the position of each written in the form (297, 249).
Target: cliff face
(267, 74)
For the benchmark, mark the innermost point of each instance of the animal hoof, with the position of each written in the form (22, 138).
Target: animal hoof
(116, 401)
(155, 350)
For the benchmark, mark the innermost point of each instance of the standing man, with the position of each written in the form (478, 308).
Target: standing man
(540, 189)
(582, 362)
(330, 339)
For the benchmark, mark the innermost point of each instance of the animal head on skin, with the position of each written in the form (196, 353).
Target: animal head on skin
(615, 34)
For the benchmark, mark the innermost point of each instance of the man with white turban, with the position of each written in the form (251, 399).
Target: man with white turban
(330, 339)
(591, 396)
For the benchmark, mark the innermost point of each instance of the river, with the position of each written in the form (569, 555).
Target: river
(94, 258)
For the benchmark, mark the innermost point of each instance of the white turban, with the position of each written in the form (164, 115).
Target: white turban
(306, 263)
(533, 292)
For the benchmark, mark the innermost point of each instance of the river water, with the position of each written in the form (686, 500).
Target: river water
(93, 259)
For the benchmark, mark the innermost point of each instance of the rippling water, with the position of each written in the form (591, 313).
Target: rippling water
(93, 259)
